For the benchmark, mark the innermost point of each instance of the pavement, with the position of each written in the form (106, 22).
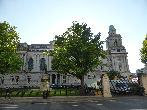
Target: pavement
(76, 103)
(53, 99)
(62, 99)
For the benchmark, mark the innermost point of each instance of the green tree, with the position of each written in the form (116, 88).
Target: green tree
(111, 74)
(9, 39)
(143, 51)
(77, 51)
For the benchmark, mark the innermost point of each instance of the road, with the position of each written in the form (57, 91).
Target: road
(120, 103)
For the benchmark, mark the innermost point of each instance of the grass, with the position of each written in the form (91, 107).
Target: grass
(63, 93)
(38, 93)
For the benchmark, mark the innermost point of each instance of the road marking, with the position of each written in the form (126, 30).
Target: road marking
(75, 105)
(112, 100)
(93, 101)
(72, 102)
(8, 107)
(13, 105)
(138, 109)
(42, 103)
(99, 104)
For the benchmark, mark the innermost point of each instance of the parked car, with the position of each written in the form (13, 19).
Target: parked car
(55, 86)
(136, 89)
(119, 87)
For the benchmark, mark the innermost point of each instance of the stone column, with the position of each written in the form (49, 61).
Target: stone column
(56, 78)
(124, 64)
(61, 79)
(50, 78)
(34, 59)
(144, 82)
(38, 69)
(127, 64)
(49, 62)
(25, 62)
(39, 62)
(106, 86)
(67, 79)
(46, 61)
(36, 62)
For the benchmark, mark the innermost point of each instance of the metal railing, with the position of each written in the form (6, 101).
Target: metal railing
(56, 91)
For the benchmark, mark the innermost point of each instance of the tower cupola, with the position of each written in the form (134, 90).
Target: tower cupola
(112, 30)
(114, 41)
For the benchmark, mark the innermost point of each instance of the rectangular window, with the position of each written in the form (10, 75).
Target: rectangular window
(118, 50)
(119, 59)
(89, 77)
(12, 78)
(64, 78)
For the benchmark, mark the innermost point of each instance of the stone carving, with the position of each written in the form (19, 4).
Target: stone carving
(106, 86)
(44, 85)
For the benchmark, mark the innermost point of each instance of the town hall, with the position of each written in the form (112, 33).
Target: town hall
(34, 61)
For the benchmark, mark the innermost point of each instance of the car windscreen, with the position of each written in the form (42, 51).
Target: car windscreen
(121, 85)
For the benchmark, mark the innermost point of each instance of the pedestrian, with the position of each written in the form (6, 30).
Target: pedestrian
(47, 93)
(44, 94)
(7, 93)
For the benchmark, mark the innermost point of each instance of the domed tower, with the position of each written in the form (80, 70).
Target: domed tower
(117, 53)
(114, 41)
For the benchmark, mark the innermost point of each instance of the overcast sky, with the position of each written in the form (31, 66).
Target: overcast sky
(38, 21)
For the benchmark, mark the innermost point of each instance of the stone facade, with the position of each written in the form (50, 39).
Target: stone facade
(117, 57)
(142, 70)
(34, 62)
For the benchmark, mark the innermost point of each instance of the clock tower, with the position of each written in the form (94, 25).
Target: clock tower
(117, 52)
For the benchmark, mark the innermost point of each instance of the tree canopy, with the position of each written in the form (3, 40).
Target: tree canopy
(9, 39)
(77, 51)
(143, 51)
(112, 74)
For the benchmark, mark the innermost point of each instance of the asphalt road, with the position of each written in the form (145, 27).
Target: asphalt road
(121, 103)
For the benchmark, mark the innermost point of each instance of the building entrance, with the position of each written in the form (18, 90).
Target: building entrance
(53, 78)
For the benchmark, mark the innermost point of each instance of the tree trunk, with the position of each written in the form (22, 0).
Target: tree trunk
(82, 81)
(82, 85)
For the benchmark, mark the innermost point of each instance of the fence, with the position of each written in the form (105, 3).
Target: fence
(56, 91)
(125, 87)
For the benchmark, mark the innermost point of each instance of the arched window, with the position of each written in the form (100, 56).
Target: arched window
(42, 64)
(120, 67)
(115, 43)
(30, 64)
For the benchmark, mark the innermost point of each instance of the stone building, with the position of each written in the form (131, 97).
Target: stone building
(34, 62)
(117, 55)
(142, 70)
